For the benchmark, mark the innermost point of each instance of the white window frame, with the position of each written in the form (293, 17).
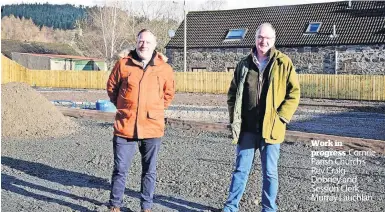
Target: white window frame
(238, 38)
(309, 26)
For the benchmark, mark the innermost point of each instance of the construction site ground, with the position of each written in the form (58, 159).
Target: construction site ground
(72, 171)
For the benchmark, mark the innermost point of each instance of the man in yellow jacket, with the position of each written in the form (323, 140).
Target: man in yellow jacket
(141, 86)
(263, 96)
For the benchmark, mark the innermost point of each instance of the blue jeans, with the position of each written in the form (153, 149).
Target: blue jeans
(269, 153)
(124, 151)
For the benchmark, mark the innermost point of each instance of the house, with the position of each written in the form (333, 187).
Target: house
(49, 56)
(344, 37)
(9, 46)
(58, 62)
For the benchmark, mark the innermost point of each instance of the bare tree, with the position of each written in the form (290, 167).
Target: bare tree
(159, 17)
(25, 30)
(212, 5)
(105, 31)
(111, 26)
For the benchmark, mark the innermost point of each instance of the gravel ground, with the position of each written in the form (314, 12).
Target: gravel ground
(361, 119)
(198, 99)
(72, 174)
(331, 121)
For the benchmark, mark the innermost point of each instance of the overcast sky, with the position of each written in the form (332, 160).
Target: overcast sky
(230, 4)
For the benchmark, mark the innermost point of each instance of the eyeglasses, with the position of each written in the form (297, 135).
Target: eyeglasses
(264, 38)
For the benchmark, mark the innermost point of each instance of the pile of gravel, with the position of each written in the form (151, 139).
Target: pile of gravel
(25, 113)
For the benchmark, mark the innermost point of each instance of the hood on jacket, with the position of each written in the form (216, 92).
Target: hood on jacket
(156, 59)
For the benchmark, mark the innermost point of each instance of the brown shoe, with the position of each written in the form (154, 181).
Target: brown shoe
(115, 209)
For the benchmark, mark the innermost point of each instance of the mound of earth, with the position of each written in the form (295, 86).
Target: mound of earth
(25, 113)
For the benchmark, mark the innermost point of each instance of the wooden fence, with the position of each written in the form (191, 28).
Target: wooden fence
(14, 72)
(357, 87)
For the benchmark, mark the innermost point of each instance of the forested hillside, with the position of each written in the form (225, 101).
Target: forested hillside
(105, 31)
(49, 15)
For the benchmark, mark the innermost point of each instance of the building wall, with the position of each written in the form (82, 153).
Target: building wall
(102, 66)
(214, 60)
(47, 63)
(62, 64)
(87, 65)
(32, 61)
(353, 59)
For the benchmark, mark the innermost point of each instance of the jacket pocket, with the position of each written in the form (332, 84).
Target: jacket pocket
(123, 114)
(123, 119)
(155, 115)
(278, 127)
(160, 90)
(155, 88)
(235, 130)
(124, 86)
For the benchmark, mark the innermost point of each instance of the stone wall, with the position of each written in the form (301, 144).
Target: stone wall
(215, 60)
(353, 59)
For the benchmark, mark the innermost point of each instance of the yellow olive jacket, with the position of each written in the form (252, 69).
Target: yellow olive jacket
(282, 97)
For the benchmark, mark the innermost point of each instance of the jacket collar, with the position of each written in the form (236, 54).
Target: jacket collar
(156, 59)
(272, 52)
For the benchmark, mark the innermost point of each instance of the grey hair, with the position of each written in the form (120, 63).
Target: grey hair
(146, 30)
(264, 25)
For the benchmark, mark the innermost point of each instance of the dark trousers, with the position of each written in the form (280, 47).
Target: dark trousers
(124, 151)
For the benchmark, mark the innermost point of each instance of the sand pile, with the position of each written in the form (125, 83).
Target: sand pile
(26, 113)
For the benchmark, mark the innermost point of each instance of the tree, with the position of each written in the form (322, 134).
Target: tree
(56, 16)
(25, 30)
(212, 5)
(105, 29)
(100, 31)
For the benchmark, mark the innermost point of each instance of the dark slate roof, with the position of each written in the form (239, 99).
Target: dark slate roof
(61, 56)
(9, 46)
(363, 23)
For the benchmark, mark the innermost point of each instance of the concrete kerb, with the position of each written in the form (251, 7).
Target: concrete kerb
(291, 136)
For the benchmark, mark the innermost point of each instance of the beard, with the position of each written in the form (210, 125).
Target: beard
(144, 55)
(263, 49)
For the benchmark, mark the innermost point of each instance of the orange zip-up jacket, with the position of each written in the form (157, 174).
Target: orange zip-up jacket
(141, 96)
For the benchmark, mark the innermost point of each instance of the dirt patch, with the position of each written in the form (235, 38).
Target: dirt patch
(79, 95)
(25, 113)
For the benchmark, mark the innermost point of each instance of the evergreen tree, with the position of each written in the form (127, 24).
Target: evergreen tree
(56, 16)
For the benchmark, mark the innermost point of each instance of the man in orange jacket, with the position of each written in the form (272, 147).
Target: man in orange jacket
(141, 86)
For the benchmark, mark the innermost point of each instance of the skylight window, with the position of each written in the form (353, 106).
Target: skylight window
(236, 34)
(313, 27)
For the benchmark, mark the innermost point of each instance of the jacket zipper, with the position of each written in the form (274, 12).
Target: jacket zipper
(137, 106)
(260, 74)
(259, 90)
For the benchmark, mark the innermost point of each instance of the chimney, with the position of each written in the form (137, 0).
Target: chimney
(349, 4)
(334, 35)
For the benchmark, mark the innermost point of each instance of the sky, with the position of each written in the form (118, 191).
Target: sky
(238, 4)
(230, 4)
